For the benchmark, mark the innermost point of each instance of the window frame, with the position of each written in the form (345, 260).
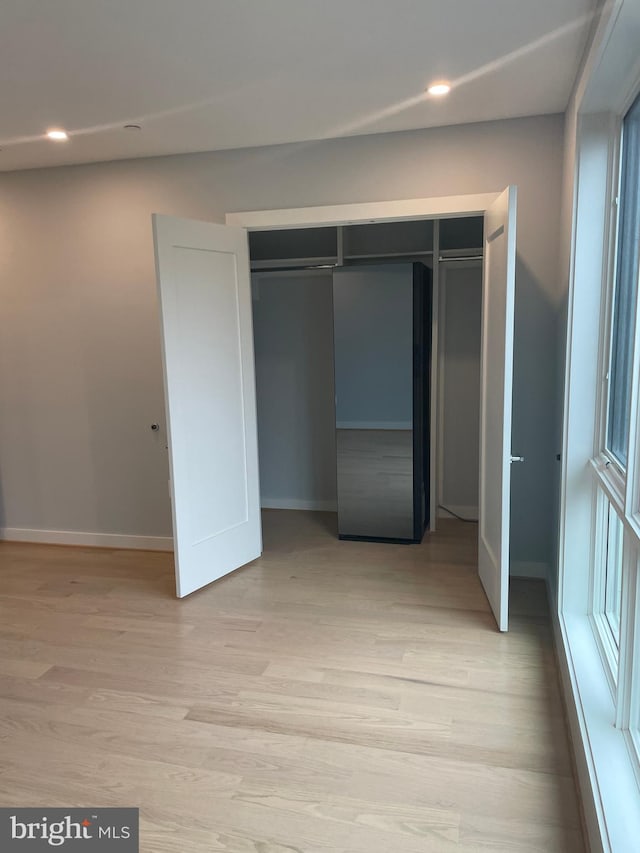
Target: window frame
(609, 476)
(608, 644)
(612, 483)
(632, 492)
(613, 236)
(602, 454)
(628, 711)
(615, 541)
(606, 743)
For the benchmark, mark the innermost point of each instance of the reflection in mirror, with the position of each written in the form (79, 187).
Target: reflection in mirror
(377, 353)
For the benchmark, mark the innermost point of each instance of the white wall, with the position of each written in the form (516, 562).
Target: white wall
(293, 332)
(80, 368)
(461, 300)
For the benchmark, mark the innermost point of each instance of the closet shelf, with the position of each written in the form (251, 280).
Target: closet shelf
(422, 253)
(461, 253)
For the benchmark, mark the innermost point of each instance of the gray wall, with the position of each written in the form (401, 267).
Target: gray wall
(80, 368)
(460, 371)
(293, 332)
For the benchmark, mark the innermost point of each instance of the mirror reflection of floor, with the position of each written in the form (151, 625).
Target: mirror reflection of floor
(375, 482)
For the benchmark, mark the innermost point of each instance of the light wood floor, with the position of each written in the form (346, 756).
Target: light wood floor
(333, 696)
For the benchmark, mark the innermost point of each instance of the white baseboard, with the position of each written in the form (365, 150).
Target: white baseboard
(464, 511)
(524, 569)
(96, 540)
(295, 503)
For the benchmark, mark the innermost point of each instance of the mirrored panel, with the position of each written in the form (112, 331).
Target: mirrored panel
(378, 322)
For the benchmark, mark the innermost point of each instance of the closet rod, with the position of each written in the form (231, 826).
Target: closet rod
(291, 271)
(444, 258)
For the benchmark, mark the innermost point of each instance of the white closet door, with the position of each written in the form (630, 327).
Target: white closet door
(495, 405)
(205, 301)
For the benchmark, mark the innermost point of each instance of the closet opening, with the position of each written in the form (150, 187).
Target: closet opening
(204, 285)
(367, 342)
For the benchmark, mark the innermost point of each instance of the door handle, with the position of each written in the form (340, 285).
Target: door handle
(516, 459)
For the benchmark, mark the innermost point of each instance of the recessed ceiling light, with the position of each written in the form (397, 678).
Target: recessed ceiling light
(439, 89)
(58, 135)
(132, 127)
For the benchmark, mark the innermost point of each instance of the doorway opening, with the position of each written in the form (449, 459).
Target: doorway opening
(205, 300)
(301, 280)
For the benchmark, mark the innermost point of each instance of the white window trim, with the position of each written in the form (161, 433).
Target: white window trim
(610, 479)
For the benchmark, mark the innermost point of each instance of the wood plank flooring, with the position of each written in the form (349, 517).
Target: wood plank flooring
(333, 696)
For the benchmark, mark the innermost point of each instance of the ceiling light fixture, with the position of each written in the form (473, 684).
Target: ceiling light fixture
(439, 89)
(58, 135)
(132, 127)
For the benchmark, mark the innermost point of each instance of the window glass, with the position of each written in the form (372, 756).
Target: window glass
(613, 573)
(625, 289)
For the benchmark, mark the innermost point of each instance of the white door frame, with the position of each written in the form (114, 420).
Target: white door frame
(399, 210)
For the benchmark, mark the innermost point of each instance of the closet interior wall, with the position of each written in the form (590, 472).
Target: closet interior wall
(458, 421)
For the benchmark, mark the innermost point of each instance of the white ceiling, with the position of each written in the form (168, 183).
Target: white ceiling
(209, 74)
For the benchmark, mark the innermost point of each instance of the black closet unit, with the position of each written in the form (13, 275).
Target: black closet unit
(382, 341)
